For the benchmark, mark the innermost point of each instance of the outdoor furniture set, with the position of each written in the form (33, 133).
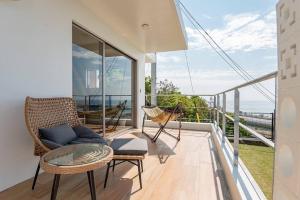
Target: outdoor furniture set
(66, 147)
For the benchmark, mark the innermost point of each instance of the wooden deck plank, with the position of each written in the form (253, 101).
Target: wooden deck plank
(176, 171)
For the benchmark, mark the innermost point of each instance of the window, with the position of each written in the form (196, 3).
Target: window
(92, 78)
(88, 83)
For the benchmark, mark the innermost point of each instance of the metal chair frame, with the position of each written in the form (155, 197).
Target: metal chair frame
(162, 126)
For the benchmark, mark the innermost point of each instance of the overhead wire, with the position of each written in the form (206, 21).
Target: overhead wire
(234, 65)
(219, 47)
(248, 76)
(189, 71)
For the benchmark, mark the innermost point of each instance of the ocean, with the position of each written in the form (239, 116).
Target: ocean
(252, 106)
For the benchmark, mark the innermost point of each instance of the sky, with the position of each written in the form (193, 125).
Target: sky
(245, 29)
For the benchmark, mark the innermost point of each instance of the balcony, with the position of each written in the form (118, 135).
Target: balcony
(95, 51)
(207, 163)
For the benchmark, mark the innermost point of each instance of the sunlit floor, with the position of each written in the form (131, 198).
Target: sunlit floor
(188, 169)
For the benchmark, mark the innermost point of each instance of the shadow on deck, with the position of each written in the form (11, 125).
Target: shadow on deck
(189, 169)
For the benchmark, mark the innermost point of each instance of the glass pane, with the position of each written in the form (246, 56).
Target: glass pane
(80, 154)
(87, 77)
(118, 83)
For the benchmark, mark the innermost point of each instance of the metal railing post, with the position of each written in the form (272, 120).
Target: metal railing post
(224, 117)
(236, 125)
(218, 114)
(214, 112)
(273, 126)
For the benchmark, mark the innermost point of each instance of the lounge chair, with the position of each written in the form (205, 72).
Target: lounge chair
(162, 118)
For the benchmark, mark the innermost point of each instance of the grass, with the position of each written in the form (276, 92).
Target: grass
(259, 161)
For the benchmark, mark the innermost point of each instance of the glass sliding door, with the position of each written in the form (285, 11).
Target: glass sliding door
(118, 82)
(87, 76)
(101, 102)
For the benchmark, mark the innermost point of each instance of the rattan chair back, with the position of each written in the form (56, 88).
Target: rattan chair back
(47, 113)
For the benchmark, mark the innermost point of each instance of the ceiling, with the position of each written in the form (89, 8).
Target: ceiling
(164, 33)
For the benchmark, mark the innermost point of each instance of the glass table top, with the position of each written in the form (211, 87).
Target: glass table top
(77, 154)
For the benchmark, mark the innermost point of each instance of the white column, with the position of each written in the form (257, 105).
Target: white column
(153, 84)
(287, 138)
(214, 111)
(236, 125)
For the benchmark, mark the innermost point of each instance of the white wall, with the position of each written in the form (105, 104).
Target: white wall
(36, 60)
(287, 157)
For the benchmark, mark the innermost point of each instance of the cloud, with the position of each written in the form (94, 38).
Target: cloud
(167, 58)
(242, 32)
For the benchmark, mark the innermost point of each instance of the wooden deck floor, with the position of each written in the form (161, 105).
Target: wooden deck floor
(185, 170)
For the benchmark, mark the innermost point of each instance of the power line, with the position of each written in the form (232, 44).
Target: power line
(248, 76)
(114, 61)
(237, 68)
(235, 63)
(188, 68)
(230, 65)
(234, 68)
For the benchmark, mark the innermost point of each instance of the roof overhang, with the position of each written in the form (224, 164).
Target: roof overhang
(165, 30)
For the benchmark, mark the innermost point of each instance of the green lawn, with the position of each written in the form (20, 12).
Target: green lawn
(259, 161)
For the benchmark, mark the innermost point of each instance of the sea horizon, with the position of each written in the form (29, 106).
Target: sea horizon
(255, 106)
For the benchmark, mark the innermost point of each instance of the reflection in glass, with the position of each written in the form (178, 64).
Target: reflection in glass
(118, 81)
(87, 82)
(87, 70)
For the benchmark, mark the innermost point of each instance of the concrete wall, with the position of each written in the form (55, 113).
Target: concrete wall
(36, 60)
(287, 157)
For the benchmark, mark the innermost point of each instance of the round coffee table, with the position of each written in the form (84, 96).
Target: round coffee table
(75, 159)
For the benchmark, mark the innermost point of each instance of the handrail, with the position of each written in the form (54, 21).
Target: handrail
(251, 131)
(188, 95)
(96, 95)
(254, 81)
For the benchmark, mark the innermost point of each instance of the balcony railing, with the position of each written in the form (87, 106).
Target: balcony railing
(216, 113)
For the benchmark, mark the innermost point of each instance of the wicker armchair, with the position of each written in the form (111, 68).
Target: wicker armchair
(51, 112)
(46, 113)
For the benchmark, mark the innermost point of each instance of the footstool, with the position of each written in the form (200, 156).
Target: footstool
(131, 150)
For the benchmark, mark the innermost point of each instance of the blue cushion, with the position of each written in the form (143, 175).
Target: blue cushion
(129, 146)
(51, 145)
(62, 134)
(99, 140)
(84, 132)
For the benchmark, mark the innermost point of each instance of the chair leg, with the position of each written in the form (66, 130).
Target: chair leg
(114, 163)
(140, 175)
(180, 125)
(157, 134)
(36, 176)
(143, 125)
(142, 166)
(107, 172)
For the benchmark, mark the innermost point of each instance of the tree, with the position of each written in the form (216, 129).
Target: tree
(167, 87)
(148, 85)
(169, 96)
(147, 90)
